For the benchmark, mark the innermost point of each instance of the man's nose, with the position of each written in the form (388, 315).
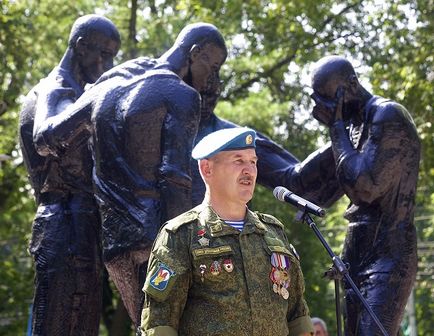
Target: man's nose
(250, 169)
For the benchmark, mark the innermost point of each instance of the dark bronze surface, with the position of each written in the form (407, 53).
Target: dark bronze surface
(377, 152)
(65, 240)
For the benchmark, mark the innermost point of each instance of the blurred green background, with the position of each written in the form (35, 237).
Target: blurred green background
(272, 45)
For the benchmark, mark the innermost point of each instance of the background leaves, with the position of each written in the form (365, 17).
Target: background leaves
(272, 45)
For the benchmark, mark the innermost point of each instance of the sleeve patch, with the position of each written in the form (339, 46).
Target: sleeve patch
(161, 277)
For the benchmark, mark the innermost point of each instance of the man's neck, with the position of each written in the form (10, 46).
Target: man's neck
(69, 64)
(227, 210)
(174, 60)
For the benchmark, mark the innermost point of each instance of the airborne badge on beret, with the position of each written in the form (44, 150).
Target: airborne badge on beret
(234, 138)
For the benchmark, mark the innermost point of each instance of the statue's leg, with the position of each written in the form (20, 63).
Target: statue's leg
(128, 271)
(68, 294)
(387, 294)
(49, 249)
(87, 265)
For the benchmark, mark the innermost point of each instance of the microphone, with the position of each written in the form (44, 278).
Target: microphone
(284, 195)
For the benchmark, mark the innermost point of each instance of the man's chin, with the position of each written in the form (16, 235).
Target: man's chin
(246, 195)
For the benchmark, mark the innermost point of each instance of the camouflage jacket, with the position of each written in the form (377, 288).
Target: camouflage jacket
(207, 278)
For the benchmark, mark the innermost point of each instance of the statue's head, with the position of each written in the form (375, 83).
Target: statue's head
(95, 41)
(210, 96)
(205, 48)
(334, 75)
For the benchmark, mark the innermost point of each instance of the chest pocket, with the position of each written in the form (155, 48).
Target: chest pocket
(214, 267)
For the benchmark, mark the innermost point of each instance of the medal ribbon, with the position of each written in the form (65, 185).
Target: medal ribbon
(279, 260)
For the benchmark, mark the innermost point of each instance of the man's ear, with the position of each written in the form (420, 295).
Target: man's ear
(80, 46)
(195, 52)
(205, 167)
(353, 84)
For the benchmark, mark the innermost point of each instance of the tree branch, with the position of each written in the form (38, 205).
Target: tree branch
(285, 61)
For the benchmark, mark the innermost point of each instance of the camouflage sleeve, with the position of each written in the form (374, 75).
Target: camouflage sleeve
(299, 321)
(167, 284)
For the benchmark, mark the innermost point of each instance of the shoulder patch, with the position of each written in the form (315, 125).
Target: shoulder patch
(269, 219)
(161, 276)
(187, 217)
(159, 281)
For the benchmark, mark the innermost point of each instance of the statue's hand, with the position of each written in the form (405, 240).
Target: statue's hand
(323, 111)
(340, 93)
(57, 95)
(328, 111)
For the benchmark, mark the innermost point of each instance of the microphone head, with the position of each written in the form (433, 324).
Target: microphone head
(280, 192)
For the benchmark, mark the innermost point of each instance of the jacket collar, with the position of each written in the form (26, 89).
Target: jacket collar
(217, 227)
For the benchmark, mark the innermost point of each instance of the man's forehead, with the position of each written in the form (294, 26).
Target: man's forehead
(216, 51)
(238, 153)
(103, 41)
(325, 87)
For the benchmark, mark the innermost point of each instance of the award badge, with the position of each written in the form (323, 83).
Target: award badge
(279, 274)
(228, 265)
(202, 271)
(215, 268)
(203, 241)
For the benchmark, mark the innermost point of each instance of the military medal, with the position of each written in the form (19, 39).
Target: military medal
(215, 268)
(202, 271)
(228, 265)
(284, 292)
(275, 288)
(279, 275)
(203, 241)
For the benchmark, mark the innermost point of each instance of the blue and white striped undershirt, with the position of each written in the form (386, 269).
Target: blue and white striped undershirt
(239, 225)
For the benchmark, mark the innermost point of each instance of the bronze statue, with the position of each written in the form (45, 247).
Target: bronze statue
(145, 115)
(314, 178)
(65, 240)
(377, 151)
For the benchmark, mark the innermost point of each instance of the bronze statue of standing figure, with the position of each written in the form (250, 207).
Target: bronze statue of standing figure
(144, 118)
(66, 230)
(377, 152)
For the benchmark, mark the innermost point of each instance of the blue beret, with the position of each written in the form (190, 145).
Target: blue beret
(223, 140)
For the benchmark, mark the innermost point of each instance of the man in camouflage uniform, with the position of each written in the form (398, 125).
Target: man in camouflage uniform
(221, 269)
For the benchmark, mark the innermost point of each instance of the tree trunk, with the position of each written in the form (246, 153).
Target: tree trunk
(132, 30)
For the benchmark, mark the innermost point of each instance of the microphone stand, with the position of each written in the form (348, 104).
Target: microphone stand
(337, 272)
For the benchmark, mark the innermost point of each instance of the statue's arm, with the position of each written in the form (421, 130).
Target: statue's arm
(314, 178)
(179, 131)
(368, 173)
(61, 121)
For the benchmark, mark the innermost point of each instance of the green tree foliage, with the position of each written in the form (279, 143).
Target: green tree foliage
(271, 47)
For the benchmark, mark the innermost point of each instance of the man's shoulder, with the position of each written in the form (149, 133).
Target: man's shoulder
(269, 219)
(129, 69)
(386, 110)
(185, 218)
